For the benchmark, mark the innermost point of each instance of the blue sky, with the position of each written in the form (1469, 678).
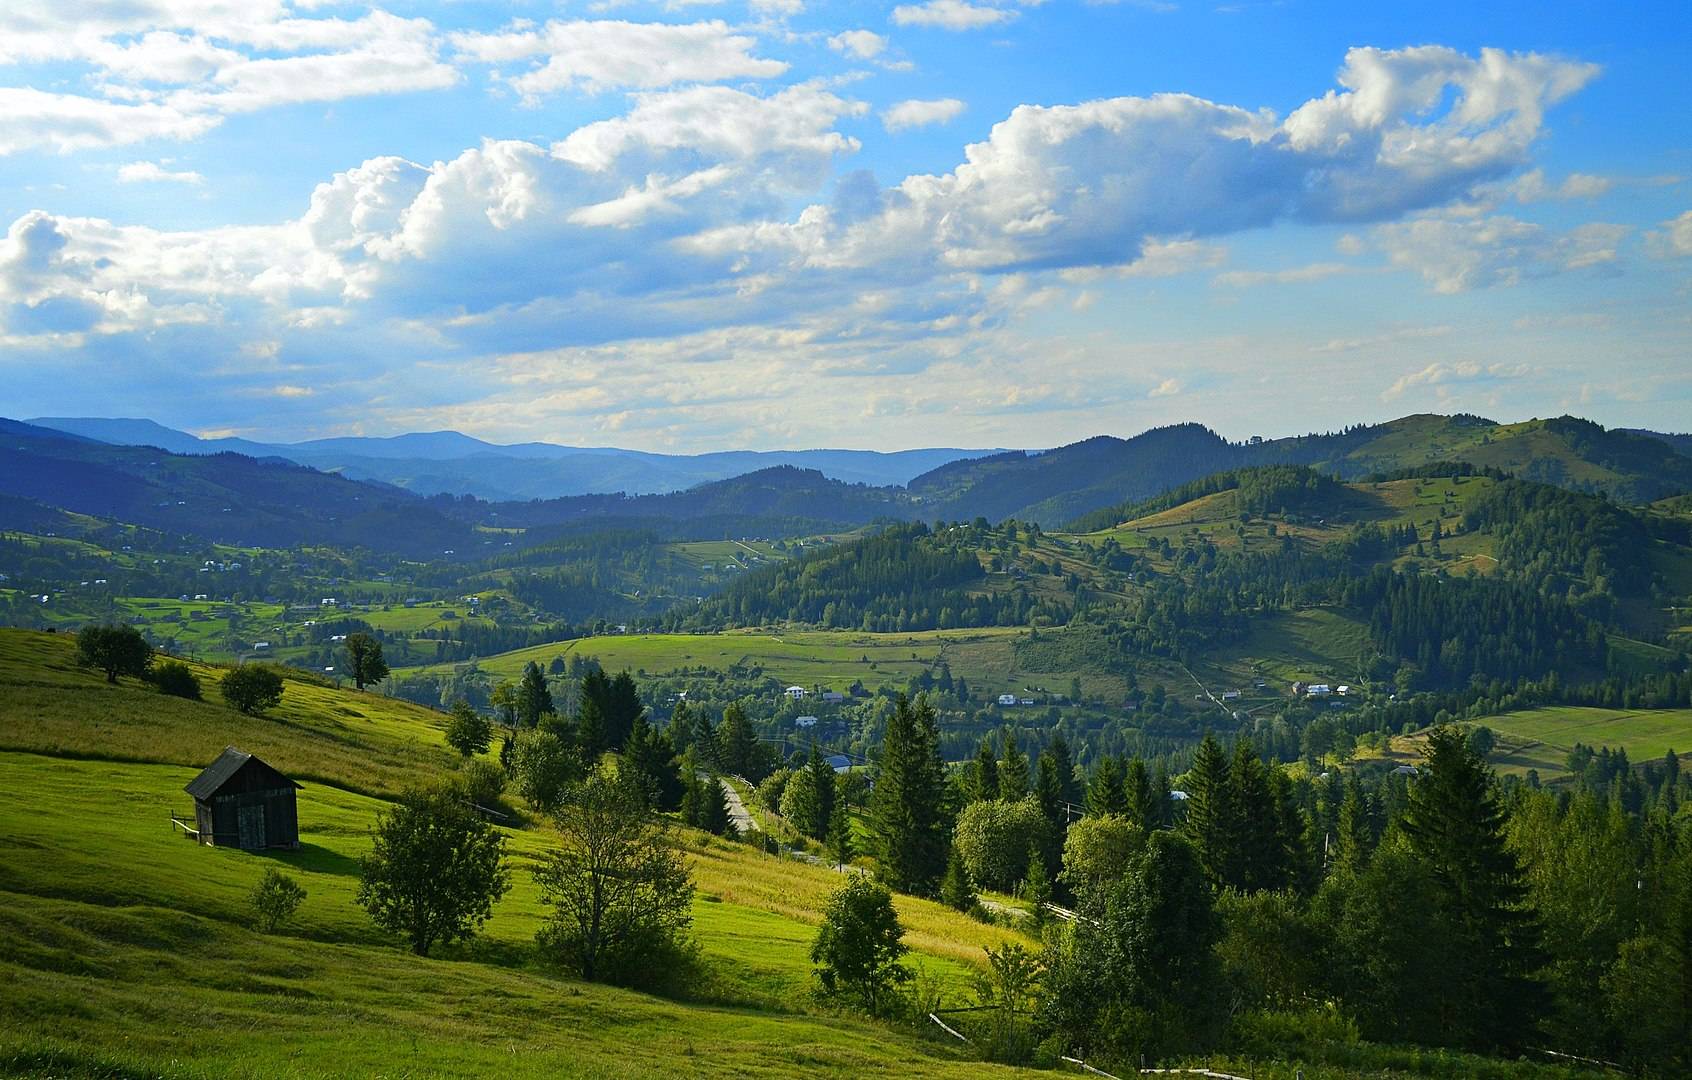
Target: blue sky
(695, 225)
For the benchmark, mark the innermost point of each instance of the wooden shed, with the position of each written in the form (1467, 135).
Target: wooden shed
(239, 801)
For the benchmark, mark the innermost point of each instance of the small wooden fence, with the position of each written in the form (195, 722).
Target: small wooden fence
(190, 826)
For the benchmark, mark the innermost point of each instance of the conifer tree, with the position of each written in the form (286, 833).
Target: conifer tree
(1255, 859)
(1105, 794)
(1355, 839)
(1209, 812)
(1140, 800)
(1037, 885)
(1065, 763)
(823, 782)
(983, 774)
(956, 889)
(713, 806)
(737, 743)
(534, 700)
(906, 810)
(1454, 825)
(1048, 788)
(841, 843)
(1013, 771)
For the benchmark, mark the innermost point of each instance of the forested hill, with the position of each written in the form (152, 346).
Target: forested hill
(228, 498)
(1449, 572)
(1070, 482)
(781, 501)
(1057, 485)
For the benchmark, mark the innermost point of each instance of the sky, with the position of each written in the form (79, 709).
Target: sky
(690, 225)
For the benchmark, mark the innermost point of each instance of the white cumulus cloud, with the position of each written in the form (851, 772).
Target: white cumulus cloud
(918, 113)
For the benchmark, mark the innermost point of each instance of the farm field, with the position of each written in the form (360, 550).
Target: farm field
(802, 657)
(1542, 738)
(126, 947)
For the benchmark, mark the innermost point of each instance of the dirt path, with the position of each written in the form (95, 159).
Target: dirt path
(742, 818)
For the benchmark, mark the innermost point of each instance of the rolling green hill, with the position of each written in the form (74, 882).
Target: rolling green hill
(128, 951)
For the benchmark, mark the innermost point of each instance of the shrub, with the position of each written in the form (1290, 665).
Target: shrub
(252, 688)
(772, 788)
(177, 679)
(484, 782)
(542, 765)
(276, 897)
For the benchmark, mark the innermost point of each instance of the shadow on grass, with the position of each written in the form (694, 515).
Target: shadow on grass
(319, 860)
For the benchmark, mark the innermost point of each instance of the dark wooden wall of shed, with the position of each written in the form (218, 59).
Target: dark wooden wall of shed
(254, 785)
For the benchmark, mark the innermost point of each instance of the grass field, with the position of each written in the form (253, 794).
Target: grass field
(1540, 739)
(126, 950)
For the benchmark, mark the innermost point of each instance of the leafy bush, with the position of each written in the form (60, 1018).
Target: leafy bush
(484, 782)
(858, 948)
(177, 679)
(769, 792)
(276, 897)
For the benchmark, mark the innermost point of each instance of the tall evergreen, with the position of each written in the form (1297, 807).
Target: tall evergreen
(824, 781)
(1139, 798)
(841, 844)
(534, 700)
(1354, 839)
(907, 821)
(1013, 771)
(737, 743)
(622, 705)
(1105, 794)
(983, 774)
(1454, 824)
(1210, 814)
(1048, 788)
(1064, 761)
(1256, 857)
(957, 891)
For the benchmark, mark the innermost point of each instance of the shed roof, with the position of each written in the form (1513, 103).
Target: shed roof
(219, 772)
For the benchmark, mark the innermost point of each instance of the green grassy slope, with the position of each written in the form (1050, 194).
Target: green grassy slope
(126, 950)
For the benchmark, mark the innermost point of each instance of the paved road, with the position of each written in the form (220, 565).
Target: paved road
(742, 818)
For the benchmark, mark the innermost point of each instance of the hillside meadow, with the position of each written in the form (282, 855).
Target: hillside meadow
(128, 949)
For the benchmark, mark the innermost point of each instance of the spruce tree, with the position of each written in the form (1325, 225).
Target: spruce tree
(1254, 856)
(737, 743)
(907, 817)
(1209, 824)
(1355, 839)
(1454, 825)
(841, 843)
(1141, 801)
(1013, 771)
(1037, 885)
(713, 806)
(534, 700)
(1105, 794)
(956, 889)
(984, 774)
(1065, 763)
(823, 782)
(1048, 788)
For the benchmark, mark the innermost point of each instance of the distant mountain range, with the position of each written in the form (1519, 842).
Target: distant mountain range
(248, 494)
(448, 462)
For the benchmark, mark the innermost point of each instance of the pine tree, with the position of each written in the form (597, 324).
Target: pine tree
(1255, 859)
(1140, 800)
(983, 774)
(1454, 824)
(1065, 762)
(534, 700)
(1048, 788)
(1355, 839)
(956, 890)
(713, 806)
(693, 790)
(906, 810)
(1105, 794)
(1037, 885)
(1013, 771)
(737, 743)
(1209, 812)
(841, 843)
(620, 707)
(590, 728)
(823, 782)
